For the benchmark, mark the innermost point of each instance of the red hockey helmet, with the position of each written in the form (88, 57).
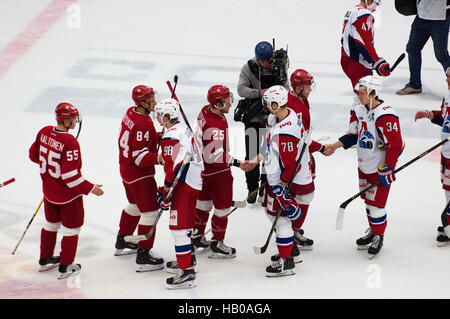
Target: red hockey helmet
(141, 93)
(66, 111)
(301, 77)
(217, 93)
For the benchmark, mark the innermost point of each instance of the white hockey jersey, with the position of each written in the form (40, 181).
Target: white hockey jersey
(358, 36)
(377, 134)
(176, 142)
(285, 140)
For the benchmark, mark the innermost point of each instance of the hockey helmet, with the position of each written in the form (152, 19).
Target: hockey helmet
(65, 111)
(217, 93)
(372, 83)
(301, 77)
(275, 94)
(169, 107)
(142, 93)
(372, 7)
(263, 51)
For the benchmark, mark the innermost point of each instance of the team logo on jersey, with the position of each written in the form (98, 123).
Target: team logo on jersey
(366, 140)
(446, 125)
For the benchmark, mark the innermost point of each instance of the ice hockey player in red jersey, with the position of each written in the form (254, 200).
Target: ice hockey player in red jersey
(177, 143)
(441, 117)
(58, 154)
(138, 156)
(358, 54)
(302, 83)
(375, 128)
(217, 189)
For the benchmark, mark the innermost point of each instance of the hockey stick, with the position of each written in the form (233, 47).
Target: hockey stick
(42, 200)
(138, 238)
(262, 250)
(340, 215)
(9, 181)
(172, 90)
(399, 59)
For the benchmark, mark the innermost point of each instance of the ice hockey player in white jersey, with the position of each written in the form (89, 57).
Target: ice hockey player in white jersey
(442, 118)
(285, 138)
(176, 142)
(375, 129)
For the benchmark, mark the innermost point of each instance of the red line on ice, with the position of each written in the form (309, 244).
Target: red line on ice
(32, 33)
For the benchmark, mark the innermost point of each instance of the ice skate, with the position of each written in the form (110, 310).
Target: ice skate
(48, 263)
(200, 244)
(221, 251)
(304, 243)
(376, 245)
(295, 254)
(281, 267)
(364, 242)
(442, 237)
(172, 266)
(68, 270)
(147, 262)
(123, 247)
(184, 279)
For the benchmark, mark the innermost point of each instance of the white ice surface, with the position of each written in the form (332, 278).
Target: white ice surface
(121, 44)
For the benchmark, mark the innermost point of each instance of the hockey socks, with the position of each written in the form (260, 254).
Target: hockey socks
(68, 249)
(377, 219)
(201, 219)
(143, 230)
(285, 246)
(219, 226)
(48, 242)
(128, 223)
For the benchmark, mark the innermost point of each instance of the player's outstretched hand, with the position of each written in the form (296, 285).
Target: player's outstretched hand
(97, 190)
(328, 150)
(423, 114)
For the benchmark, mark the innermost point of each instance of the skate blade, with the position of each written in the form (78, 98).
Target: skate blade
(63, 275)
(298, 260)
(305, 248)
(173, 270)
(281, 274)
(362, 247)
(442, 244)
(188, 284)
(220, 256)
(201, 251)
(145, 268)
(372, 256)
(48, 267)
(125, 251)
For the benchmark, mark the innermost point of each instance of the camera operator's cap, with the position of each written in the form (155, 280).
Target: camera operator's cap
(264, 51)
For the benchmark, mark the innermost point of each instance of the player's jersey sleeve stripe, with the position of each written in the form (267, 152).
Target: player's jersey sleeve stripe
(69, 174)
(76, 182)
(140, 157)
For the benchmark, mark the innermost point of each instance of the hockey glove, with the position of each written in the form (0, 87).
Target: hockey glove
(288, 204)
(382, 67)
(386, 174)
(163, 202)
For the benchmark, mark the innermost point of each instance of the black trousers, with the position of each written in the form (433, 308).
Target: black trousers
(255, 134)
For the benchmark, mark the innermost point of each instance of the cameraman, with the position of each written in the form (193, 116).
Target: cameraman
(257, 75)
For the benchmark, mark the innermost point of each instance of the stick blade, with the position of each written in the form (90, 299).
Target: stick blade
(340, 219)
(134, 238)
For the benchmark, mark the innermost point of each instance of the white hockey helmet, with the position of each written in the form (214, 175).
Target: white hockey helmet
(372, 7)
(275, 94)
(169, 107)
(372, 83)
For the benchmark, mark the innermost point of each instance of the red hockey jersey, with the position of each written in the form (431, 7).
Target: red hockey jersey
(137, 146)
(58, 154)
